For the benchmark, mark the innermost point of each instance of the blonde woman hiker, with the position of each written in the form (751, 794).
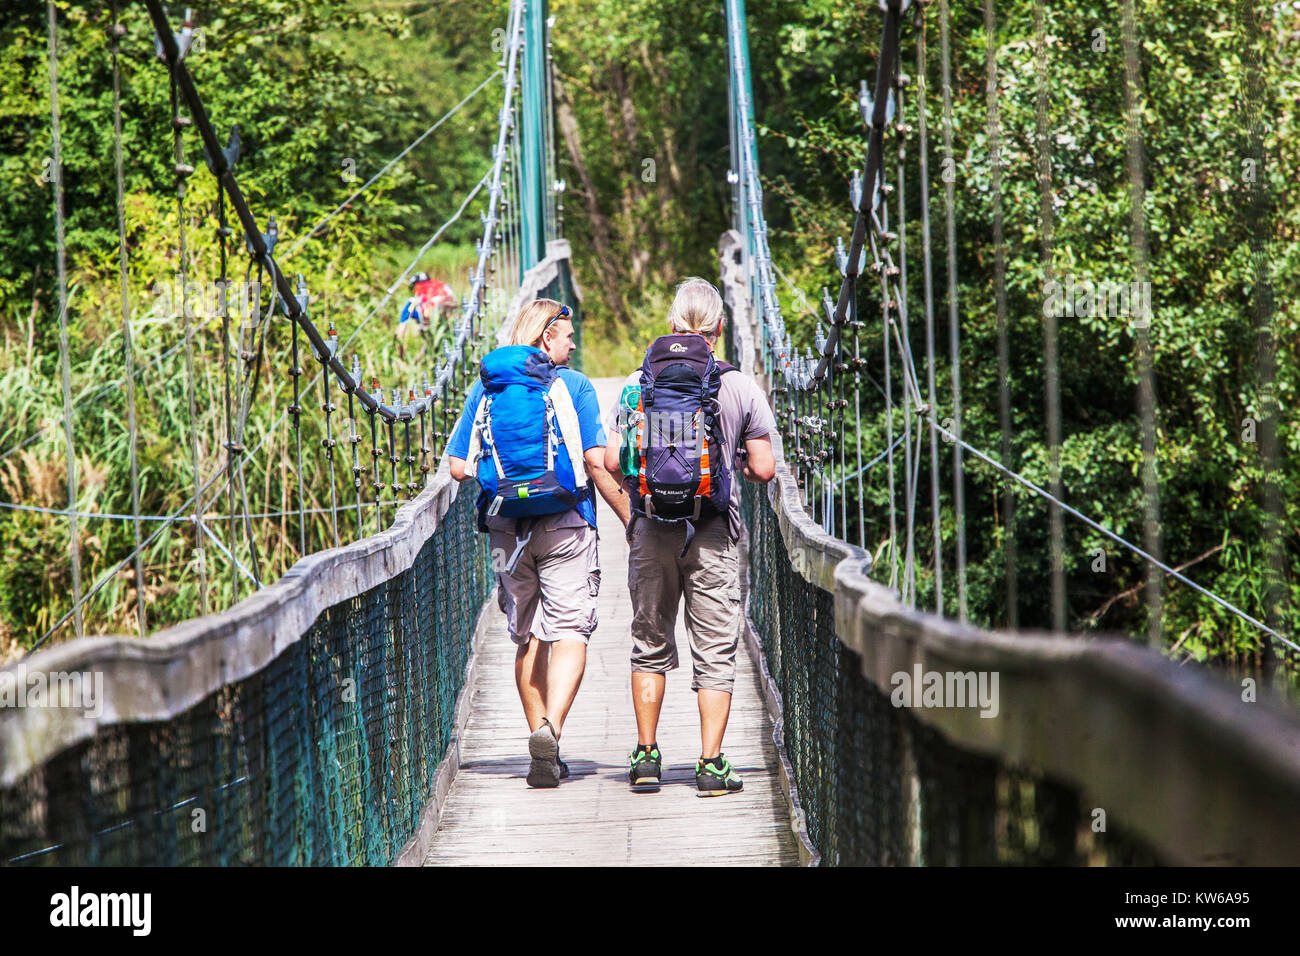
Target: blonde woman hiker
(531, 435)
(686, 429)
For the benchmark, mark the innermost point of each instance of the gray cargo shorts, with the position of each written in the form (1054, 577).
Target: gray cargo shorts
(552, 592)
(708, 577)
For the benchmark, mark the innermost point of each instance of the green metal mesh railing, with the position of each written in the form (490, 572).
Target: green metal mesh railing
(326, 756)
(261, 736)
(877, 787)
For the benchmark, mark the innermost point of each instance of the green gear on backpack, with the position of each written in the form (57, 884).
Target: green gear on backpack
(629, 405)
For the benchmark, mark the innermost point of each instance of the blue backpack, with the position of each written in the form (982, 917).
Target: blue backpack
(526, 440)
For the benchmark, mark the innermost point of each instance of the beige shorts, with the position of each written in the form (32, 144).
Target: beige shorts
(552, 591)
(708, 577)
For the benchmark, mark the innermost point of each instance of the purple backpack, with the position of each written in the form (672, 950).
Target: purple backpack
(682, 471)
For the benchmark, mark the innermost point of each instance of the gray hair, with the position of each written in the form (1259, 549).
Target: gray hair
(697, 307)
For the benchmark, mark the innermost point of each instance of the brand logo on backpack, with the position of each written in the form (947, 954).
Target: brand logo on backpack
(681, 471)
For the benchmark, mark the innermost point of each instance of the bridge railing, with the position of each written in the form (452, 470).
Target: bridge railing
(306, 724)
(1063, 750)
(912, 738)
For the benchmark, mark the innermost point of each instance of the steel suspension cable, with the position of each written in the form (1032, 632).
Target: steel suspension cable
(295, 410)
(234, 561)
(128, 353)
(1147, 556)
(65, 362)
(182, 171)
(310, 233)
(922, 91)
(172, 350)
(858, 363)
(354, 440)
(949, 176)
(328, 442)
(889, 407)
(236, 487)
(901, 314)
(223, 231)
(270, 432)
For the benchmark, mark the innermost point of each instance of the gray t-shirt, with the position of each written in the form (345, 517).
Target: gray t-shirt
(743, 414)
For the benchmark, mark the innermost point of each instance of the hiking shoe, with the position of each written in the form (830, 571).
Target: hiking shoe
(716, 776)
(564, 767)
(544, 771)
(645, 766)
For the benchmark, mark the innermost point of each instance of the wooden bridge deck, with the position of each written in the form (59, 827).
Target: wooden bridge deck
(491, 816)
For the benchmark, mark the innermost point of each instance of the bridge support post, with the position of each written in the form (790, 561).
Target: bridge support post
(533, 154)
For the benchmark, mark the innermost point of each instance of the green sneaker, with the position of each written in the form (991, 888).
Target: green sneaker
(645, 766)
(716, 776)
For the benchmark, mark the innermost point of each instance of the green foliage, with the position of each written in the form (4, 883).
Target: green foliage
(1195, 109)
(318, 90)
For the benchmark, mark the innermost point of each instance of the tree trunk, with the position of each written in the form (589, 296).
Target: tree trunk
(604, 263)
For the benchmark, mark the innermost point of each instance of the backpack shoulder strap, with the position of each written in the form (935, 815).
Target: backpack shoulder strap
(476, 433)
(566, 415)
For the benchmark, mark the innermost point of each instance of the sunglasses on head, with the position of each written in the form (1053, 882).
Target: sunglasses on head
(562, 314)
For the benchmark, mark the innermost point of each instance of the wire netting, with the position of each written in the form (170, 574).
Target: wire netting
(325, 757)
(877, 786)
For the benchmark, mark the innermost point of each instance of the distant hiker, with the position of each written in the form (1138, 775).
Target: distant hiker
(430, 299)
(531, 435)
(685, 426)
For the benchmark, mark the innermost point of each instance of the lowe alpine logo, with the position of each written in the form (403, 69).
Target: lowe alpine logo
(677, 347)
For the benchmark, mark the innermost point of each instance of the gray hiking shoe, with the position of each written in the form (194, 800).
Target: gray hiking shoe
(544, 771)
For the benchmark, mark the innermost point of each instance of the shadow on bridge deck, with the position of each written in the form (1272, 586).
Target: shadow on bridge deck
(491, 816)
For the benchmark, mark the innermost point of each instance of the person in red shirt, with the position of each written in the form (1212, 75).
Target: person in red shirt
(430, 299)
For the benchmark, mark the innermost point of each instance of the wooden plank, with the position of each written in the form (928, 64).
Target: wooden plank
(492, 817)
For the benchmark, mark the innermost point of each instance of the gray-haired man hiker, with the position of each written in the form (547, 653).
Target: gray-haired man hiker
(686, 427)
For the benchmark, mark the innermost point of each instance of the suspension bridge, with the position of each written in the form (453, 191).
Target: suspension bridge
(358, 709)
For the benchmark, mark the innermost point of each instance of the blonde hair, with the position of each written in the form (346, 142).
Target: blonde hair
(697, 307)
(531, 321)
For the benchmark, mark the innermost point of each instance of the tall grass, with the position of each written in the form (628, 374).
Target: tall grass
(35, 562)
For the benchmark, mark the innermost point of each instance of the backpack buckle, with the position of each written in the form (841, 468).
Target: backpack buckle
(495, 507)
